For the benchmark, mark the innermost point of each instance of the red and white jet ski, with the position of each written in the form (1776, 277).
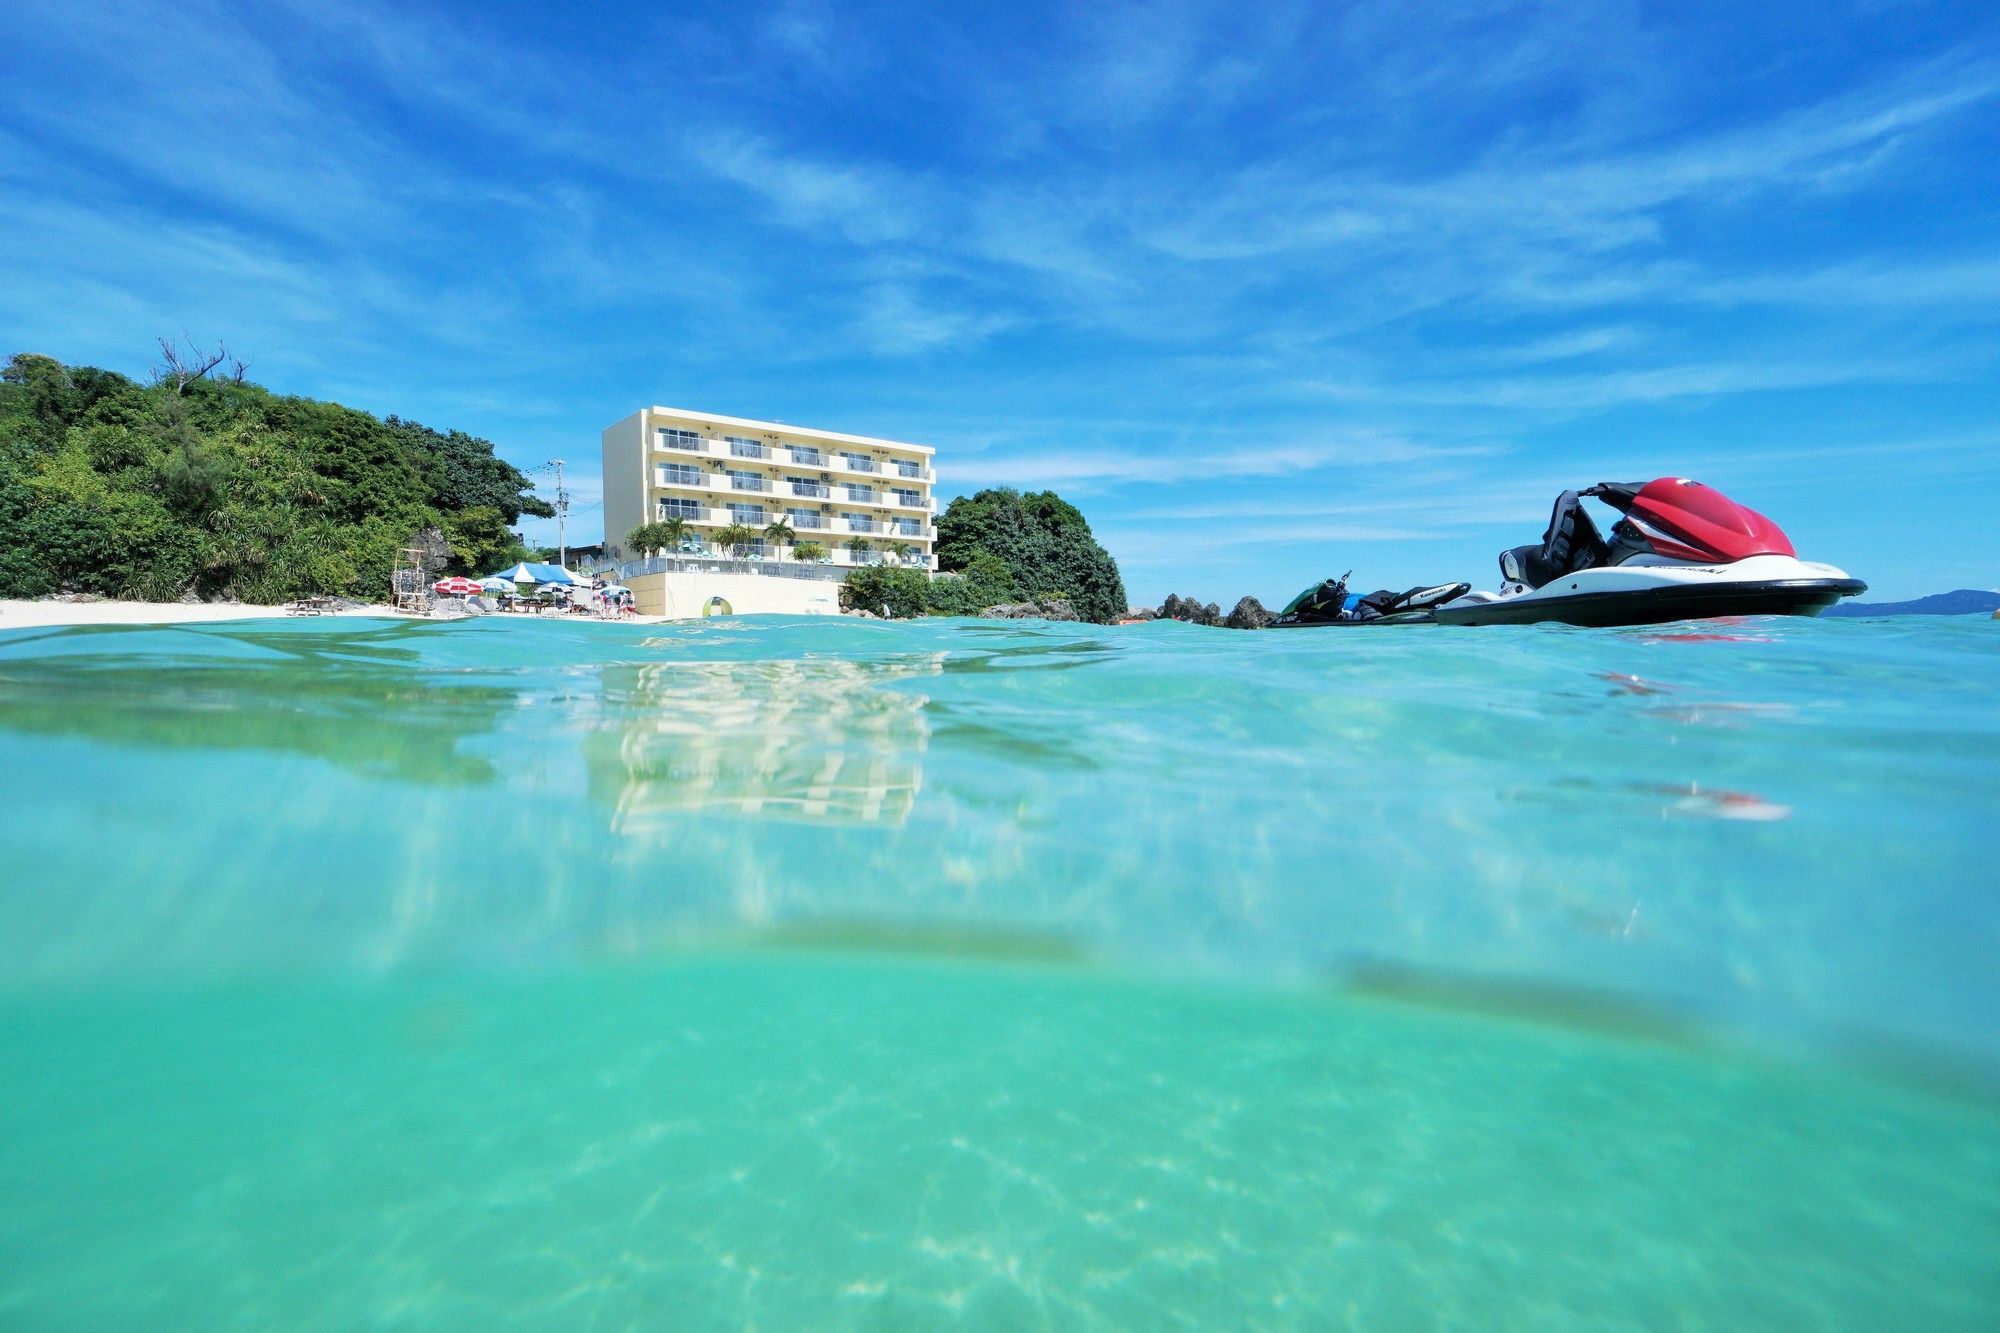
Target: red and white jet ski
(1682, 551)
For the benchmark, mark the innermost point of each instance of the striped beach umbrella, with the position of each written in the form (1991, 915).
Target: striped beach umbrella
(456, 586)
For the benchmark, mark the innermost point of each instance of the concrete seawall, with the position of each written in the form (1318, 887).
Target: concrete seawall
(682, 594)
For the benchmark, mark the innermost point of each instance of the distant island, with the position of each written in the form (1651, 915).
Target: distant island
(1961, 602)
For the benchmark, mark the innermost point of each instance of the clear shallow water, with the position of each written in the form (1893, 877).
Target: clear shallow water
(834, 972)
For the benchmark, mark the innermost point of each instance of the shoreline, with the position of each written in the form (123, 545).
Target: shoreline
(18, 614)
(53, 614)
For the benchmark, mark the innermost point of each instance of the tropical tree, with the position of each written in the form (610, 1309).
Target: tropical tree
(779, 533)
(901, 552)
(644, 539)
(858, 547)
(735, 537)
(673, 531)
(807, 552)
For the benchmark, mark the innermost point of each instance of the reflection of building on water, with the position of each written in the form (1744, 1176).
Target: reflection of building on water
(806, 740)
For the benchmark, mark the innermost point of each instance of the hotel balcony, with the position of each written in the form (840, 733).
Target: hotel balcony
(786, 456)
(716, 484)
(707, 516)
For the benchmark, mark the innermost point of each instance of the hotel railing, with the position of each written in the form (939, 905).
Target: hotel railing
(798, 458)
(770, 566)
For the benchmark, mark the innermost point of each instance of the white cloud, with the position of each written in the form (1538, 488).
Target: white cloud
(863, 203)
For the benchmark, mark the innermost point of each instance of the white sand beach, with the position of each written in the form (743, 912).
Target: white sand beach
(39, 615)
(43, 615)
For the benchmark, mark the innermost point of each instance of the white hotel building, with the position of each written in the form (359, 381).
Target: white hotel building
(866, 501)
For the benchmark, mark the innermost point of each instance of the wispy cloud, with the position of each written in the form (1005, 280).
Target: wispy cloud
(1337, 261)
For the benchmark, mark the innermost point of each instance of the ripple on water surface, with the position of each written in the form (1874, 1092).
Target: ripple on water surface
(552, 974)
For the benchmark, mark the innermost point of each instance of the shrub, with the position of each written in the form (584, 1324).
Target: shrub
(886, 590)
(985, 582)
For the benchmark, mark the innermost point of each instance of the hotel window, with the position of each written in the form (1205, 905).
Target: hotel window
(679, 439)
(909, 527)
(739, 447)
(809, 486)
(909, 469)
(911, 498)
(746, 513)
(806, 457)
(747, 481)
(859, 462)
(679, 474)
(865, 494)
(805, 518)
(680, 509)
(860, 523)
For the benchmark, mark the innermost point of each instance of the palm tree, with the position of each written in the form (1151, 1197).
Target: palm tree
(858, 547)
(902, 551)
(779, 533)
(735, 537)
(807, 552)
(673, 531)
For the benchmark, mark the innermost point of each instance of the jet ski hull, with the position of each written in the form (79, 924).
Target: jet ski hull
(1605, 598)
(1658, 605)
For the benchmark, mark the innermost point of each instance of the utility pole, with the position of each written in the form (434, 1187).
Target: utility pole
(562, 517)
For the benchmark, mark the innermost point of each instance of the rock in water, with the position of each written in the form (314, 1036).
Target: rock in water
(1249, 614)
(1049, 608)
(1190, 610)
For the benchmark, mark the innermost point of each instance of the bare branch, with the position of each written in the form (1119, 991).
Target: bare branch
(184, 369)
(238, 368)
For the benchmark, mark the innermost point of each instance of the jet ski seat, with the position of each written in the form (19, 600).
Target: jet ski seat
(1572, 542)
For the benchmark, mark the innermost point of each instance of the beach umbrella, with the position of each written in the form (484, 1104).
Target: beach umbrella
(533, 571)
(456, 586)
(497, 584)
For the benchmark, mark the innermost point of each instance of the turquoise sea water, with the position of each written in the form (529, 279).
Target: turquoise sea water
(834, 973)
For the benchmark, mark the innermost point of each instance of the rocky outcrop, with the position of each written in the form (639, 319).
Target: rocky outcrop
(1249, 614)
(1047, 608)
(1190, 610)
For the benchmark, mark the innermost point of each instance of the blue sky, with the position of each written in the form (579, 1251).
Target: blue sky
(1388, 275)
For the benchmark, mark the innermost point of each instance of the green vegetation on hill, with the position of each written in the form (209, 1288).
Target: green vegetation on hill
(1042, 544)
(996, 547)
(218, 487)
